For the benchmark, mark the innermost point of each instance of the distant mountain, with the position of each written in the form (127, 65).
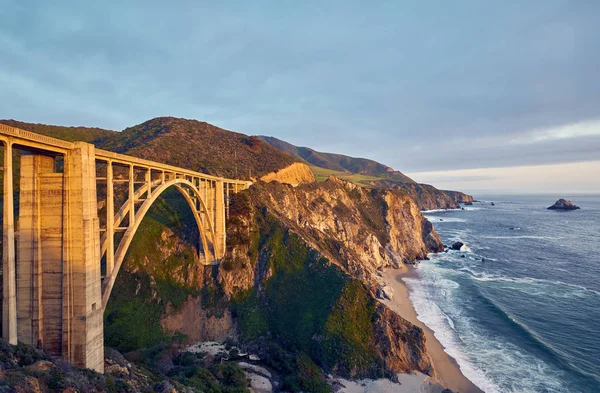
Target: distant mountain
(338, 162)
(369, 173)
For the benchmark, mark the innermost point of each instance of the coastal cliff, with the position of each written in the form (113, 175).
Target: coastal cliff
(360, 230)
(459, 197)
(301, 269)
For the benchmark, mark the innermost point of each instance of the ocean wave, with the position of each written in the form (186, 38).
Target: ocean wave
(438, 211)
(480, 276)
(576, 289)
(439, 220)
(490, 362)
(444, 330)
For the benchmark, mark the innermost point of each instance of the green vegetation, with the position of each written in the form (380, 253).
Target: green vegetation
(199, 146)
(321, 174)
(219, 378)
(26, 369)
(310, 309)
(157, 270)
(349, 330)
(132, 320)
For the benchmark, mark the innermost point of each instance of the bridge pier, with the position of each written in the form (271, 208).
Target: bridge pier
(58, 286)
(83, 323)
(40, 229)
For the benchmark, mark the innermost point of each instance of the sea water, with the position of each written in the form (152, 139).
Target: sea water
(519, 307)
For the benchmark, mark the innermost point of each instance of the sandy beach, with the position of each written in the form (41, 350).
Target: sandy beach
(447, 370)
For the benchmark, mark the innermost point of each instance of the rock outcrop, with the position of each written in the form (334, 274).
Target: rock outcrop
(459, 197)
(457, 246)
(295, 174)
(428, 197)
(563, 204)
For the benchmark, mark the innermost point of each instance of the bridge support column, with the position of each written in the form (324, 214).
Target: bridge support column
(59, 289)
(219, 209)
(40, 259)
(9, 289)
(83, 325)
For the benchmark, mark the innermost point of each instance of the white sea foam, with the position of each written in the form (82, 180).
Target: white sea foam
(481, 276)
(444, 330)
(440, 220)
(438, 211)
(485, 360)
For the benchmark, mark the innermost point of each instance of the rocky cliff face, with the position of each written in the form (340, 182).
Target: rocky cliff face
(360, 230)
(297, 173)
(427, 197)
(301, 269)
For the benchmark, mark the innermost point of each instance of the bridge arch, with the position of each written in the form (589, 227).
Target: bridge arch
(208, 234)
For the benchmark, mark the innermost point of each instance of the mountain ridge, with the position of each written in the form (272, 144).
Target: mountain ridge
(371, 174)
(337, 162)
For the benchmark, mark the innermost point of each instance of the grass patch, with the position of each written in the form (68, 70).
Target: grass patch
(321, 174)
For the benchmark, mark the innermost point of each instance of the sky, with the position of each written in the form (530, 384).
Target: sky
(472, 95)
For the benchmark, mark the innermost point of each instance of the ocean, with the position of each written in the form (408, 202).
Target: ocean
(520, 312)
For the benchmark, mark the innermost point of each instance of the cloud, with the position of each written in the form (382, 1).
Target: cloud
(571, 178)
(576, 130)
(416, 87)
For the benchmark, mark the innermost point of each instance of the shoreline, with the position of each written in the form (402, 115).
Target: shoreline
(447, 370)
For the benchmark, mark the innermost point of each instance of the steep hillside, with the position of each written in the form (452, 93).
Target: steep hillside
(93, 135)
(201, 147)
(338, 162)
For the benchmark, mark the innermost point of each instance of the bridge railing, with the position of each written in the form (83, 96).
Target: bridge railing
(125, 160)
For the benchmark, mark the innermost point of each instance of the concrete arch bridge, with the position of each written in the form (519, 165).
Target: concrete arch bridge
(61, 260)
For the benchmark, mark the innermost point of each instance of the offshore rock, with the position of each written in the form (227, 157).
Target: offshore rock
(563, 204)
(457, 246)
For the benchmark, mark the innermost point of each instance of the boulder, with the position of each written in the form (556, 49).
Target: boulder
(457, 246)
(563, 204)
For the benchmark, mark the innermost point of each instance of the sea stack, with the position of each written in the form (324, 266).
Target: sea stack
(563, 204)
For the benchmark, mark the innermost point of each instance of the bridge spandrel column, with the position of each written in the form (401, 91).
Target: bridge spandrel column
(9, 290)
(85, 340)
(219, 211)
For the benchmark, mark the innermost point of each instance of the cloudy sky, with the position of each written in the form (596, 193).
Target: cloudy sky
(465, 94)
